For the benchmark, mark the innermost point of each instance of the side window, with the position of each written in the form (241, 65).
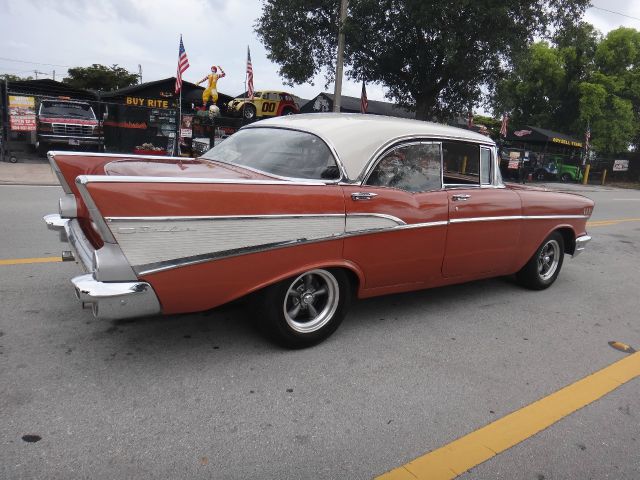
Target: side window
(486, 166)
(461, 163)
(414, 167)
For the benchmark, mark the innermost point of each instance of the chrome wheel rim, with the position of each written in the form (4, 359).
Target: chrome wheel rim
(548, 259)
(311, 301)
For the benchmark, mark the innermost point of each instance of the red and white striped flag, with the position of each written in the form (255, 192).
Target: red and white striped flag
(249, 75)
(364, 102)
(503, 127)
(183, 64)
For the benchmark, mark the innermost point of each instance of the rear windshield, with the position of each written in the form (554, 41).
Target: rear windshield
(286, 153)
(65, 109)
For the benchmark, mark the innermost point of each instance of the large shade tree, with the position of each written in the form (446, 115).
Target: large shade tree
(100, 77)
(431, 56)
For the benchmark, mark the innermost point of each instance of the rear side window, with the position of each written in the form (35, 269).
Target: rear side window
(413, 167)
(485, 166)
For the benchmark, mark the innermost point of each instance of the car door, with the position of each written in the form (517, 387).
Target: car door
(484, 219)
(396, 220)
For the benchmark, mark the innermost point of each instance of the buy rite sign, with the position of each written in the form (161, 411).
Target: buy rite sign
(147, 102)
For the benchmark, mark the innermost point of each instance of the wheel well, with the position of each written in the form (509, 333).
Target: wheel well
(353, 279)
(569, 239)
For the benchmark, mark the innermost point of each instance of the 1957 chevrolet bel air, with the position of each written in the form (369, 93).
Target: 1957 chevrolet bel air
(306, 211)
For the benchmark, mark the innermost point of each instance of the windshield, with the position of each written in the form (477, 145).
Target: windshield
(66, 109)
(285, 153)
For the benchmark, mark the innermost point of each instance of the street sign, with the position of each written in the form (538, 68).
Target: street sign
(620, 165)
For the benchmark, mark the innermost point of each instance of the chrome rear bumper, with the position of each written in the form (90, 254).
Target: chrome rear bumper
(109, 300)
(581, 243)
(112, 301)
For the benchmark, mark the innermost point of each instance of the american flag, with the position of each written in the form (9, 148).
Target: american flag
(183, 64)
(249, 75)
(503, 127)
(364, 103)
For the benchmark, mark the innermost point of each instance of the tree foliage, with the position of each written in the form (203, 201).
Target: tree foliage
(581, 81)
(431, 56)
(100, 77)
(13, 78)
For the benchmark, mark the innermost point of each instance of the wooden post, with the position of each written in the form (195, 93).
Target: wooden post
(604, 176)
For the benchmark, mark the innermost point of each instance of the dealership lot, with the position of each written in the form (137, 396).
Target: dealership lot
(205, 396)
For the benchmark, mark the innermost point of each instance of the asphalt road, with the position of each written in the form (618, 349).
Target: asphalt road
(205, 396)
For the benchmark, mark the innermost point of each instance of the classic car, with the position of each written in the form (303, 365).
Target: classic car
(265, 103)
(303, 212)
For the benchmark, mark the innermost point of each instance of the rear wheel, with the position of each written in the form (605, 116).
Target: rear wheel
(304, 310)
(249, 111)
(544, 266)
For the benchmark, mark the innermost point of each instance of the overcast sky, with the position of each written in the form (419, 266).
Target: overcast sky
(146, 32)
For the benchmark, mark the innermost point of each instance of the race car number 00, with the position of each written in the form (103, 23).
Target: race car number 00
(269, 107)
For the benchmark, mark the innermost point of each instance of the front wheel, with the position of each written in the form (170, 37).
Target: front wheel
(304, 310)
(544, 266)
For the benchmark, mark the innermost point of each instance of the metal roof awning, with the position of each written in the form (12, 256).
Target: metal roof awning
(531, 134)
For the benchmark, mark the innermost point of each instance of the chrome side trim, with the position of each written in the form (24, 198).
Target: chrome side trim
(112, 301)
(193, 260)
(581, 243)
(116, 155)
(226, 217)
(399, 221)
(80, 244)
(84, 179)
(514, 217)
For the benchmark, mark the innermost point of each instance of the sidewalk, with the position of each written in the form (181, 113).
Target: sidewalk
(27, 174)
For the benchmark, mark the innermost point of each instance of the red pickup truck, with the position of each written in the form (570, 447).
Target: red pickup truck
(66, 122)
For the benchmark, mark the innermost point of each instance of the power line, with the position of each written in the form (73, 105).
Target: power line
(34, 63)
(617, 13)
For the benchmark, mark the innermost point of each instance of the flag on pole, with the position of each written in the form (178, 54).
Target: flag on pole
(587, 138)
(503, 127)
(183, 64)
(249, 75)
(364, 102)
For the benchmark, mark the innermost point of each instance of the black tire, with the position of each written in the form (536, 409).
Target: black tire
(289, 307)
(566, 178)
(288, 111)
(249, 111)
(544, 266)
(43, 148)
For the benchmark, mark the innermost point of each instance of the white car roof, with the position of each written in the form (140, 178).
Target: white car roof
(356, 137)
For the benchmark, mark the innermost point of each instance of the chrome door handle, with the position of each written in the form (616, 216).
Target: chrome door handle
(460, 197)
(363, 196)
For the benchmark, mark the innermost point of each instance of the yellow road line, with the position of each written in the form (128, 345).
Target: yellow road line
(602, 223)
(471, 450)
(19, 261)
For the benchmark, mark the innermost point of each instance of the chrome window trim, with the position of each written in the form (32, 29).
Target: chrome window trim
(416, 138)
(372, 165)
(329, 145)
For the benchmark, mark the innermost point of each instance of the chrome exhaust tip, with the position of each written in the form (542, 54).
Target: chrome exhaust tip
(67, 256)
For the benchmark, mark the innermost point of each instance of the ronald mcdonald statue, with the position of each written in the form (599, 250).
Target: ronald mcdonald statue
(212, 80)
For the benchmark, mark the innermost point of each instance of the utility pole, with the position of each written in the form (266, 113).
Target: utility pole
(37, 72)
(337, 93)
(140, 72)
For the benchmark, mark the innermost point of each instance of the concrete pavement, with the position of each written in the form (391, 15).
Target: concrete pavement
(27, 174)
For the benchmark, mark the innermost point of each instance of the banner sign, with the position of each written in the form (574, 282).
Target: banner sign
(563, 141)
(22, 113)
(620, 165)
(185, 126)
